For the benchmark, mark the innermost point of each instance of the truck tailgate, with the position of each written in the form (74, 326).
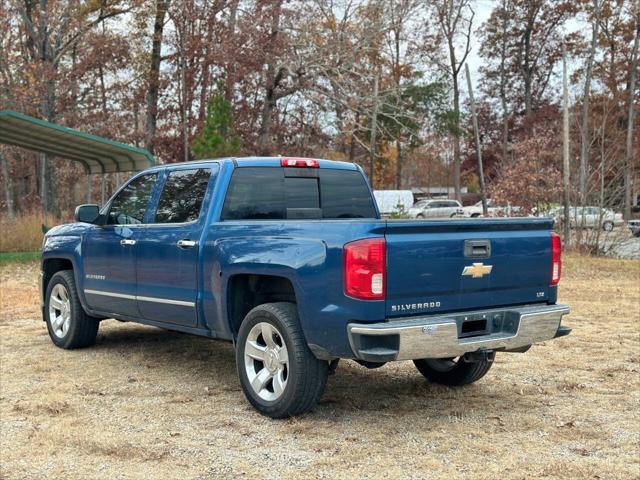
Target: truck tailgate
(440, 266)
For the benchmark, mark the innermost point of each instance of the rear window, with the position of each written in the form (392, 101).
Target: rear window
(264, 193)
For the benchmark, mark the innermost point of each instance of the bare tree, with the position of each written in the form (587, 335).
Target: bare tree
(49, 40)
(455, 20)
(628, 174)
(566, 168)
(153, 84)
(474, 118)
(584, 131)
(503, 77)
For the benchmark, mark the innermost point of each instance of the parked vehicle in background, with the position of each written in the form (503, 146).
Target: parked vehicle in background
(634, 227)
(289, 259)
(493, 210)
(393, 201)
(436, 209)
(590, 217)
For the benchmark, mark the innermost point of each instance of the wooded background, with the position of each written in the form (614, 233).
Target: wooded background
(377, 82)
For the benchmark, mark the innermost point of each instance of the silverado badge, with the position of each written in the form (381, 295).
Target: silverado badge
(477, 270)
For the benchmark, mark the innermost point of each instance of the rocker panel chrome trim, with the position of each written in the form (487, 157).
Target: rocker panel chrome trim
(140, 298)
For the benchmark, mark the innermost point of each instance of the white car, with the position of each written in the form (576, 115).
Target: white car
(590, 217)
(493, 210)
(436, 209)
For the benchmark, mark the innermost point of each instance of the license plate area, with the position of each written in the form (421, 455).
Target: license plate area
(479, 324)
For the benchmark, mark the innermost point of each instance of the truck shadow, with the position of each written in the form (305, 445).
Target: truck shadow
(395, 388)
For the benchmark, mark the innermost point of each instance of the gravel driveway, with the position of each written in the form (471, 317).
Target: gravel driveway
(148, 403)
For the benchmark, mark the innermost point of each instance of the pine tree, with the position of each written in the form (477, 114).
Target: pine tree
(217, 138)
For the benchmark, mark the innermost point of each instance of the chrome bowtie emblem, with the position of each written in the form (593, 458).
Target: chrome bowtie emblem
(477, 270)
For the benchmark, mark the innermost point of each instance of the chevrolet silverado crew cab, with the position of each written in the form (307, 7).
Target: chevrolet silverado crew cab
(289, 259)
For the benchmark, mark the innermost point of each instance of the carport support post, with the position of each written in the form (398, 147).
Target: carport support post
(89, 185)
(43, 183)
(102, 188)
(8, 187)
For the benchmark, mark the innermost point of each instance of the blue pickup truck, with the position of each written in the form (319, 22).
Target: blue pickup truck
(289, 259)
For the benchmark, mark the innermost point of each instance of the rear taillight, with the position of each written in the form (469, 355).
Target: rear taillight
(556, 258)
(299, 162)
(365, 263)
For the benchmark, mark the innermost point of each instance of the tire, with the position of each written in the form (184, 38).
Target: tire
(607, 226)
(475, 215)
(420, 216)
(448, 371)
(289, 383)
(68, 325)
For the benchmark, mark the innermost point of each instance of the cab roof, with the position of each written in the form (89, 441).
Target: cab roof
(241, 162)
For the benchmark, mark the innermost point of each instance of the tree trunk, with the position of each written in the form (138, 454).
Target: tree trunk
(565, 147)
(8, 187)
(47, 174)
(503, 84)
(229, 86)
(474, 118)
(374, 125)
(525, 67)
(456, 135)
(264, 134)
(628, 174)
(265, 146)
(584, 132)
(399, 166)
(154, 75)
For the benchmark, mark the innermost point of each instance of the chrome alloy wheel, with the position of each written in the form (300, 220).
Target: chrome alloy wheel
(59, 310)
(266, 361)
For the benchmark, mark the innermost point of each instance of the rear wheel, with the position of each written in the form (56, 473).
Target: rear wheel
(278, 373)
(607, 226)
(452, 371)
(68, 324)
(421, 216)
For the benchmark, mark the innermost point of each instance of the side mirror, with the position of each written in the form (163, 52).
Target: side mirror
(87, 213)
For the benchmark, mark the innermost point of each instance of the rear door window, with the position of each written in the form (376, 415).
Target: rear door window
(182, 196)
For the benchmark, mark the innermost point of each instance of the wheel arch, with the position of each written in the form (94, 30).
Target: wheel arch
(53, 265)
(246, 291)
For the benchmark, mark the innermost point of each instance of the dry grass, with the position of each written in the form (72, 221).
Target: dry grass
(24, 233)
(147, 403)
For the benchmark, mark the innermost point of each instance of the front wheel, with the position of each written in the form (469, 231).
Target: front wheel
(68, 324)
(451, 371)
(607, 226)
(278, 373)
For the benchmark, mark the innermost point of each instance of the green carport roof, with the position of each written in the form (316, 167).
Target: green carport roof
(97, 154)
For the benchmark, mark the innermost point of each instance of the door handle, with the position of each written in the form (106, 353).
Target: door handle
(127, 242)
(186, 243)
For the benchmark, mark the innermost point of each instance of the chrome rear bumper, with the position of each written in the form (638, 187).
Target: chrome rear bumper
(506, 329)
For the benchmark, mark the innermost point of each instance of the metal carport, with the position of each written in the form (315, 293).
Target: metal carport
(97, 154)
